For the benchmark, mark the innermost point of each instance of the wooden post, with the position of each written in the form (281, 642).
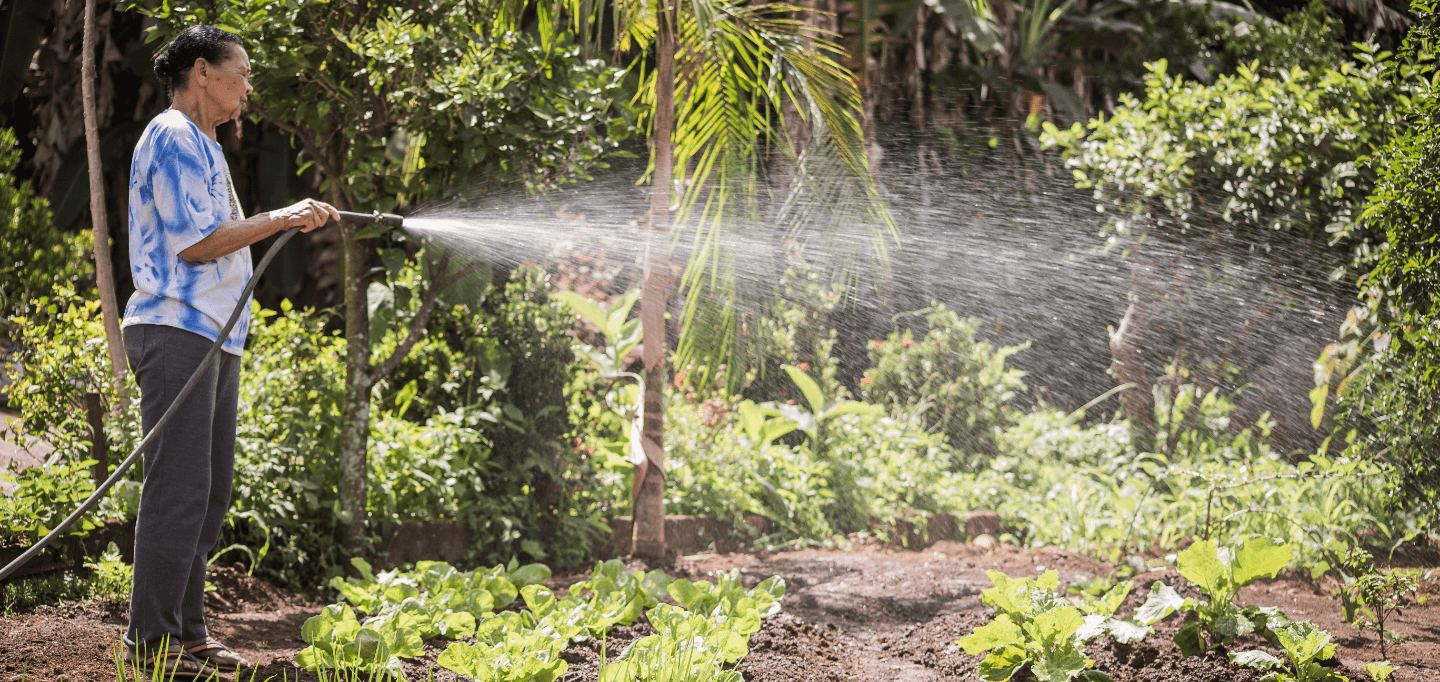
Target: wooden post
(99, 447)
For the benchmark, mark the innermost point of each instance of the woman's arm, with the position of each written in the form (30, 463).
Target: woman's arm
(232, 236)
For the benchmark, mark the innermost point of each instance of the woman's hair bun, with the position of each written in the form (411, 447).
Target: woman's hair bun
(163, 67)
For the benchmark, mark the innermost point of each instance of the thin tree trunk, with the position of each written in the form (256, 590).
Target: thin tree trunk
(648, 540)
(355, 415)
(100, 227)
(1137, 403)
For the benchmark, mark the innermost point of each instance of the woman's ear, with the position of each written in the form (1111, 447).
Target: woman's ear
(200, 70)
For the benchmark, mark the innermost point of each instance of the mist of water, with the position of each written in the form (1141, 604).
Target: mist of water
(1017, 248)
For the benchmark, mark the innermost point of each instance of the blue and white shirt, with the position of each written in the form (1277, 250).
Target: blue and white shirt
(180, 192)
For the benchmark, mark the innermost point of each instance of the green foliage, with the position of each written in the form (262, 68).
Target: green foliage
(42, 497)
(528, 657)
(1058, 483)
(1035, 625)
(339, 642)
(62, 358)
(110, 577)
(48, 588)
(1279, 150)
(687, 647)
(34, 256)
(1219, 573)
(434, 599)
(946, 381)
(400, 103)
(1385, 371)
(1370, 595)
(728, 598)
(1305, 646)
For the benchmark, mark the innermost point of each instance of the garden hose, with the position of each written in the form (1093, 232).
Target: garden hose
(377, 217)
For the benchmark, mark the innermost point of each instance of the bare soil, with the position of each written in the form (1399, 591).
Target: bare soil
(869, 613)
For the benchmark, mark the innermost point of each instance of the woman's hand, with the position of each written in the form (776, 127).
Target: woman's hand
(306, 214)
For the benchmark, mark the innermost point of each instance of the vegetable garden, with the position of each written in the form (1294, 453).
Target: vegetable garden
(820, 328)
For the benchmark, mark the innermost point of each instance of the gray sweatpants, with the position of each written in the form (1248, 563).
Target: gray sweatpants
(188, 473)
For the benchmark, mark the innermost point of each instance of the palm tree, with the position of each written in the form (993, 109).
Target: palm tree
(729, 81)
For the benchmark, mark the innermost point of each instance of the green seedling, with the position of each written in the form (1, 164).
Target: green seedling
(110, 576)
(1305, 646)
(1219, 573)
(1035, 625)
(1379, 670)
(532, 656)
(1100, 602)
(728, 598)
(1371, 596)
(687, 647)
(339, 642)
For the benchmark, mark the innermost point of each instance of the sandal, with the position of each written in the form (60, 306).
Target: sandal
(173, 664)
(216, 654)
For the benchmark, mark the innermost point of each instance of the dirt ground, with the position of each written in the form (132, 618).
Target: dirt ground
(870, 613)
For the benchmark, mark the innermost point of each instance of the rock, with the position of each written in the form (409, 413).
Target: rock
(985, 541)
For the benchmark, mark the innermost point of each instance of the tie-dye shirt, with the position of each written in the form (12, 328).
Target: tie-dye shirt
(180, 192)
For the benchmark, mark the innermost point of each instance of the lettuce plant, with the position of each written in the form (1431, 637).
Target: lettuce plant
(727, 597)
(1034, 625)
(1100, 615)
(339, 642)
(1219, 573)
(1304, 646)
(509, 656)
(687, 647)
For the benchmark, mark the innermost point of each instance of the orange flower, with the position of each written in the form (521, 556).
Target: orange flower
(804, 367)
(907, 342)
(866, 380)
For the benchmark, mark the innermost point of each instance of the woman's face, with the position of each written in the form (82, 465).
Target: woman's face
(229, 83)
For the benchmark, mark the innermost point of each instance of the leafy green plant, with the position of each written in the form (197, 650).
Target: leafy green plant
(34, 255)
(1370, 596)
(1219, 573)
(510, 657)
(688, 647)
(110, 577)
(946, 380)
(1305, 646)
(1100, 604)
(338, 641)
(43, 496)
(1035, 625)
(726, 597)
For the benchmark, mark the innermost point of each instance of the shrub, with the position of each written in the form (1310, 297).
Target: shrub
(947, 382)
(476, 432)
(62, 358)
(34, 256)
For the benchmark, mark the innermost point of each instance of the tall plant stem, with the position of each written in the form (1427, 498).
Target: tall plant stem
(648, 539)
(104, 271)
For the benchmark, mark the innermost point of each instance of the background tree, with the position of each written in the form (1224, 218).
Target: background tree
(104, 269)
(1385, 371)
(743, 75)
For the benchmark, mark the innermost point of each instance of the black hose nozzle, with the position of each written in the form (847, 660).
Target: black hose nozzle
(377, 217)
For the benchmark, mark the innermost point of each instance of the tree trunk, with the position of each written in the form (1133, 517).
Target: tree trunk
(100, 227)
(648, 540)
(355, 414)
(1137, 403)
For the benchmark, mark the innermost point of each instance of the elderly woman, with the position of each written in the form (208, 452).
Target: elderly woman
(190, 260)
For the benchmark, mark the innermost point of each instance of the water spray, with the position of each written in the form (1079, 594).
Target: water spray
(376, 217)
